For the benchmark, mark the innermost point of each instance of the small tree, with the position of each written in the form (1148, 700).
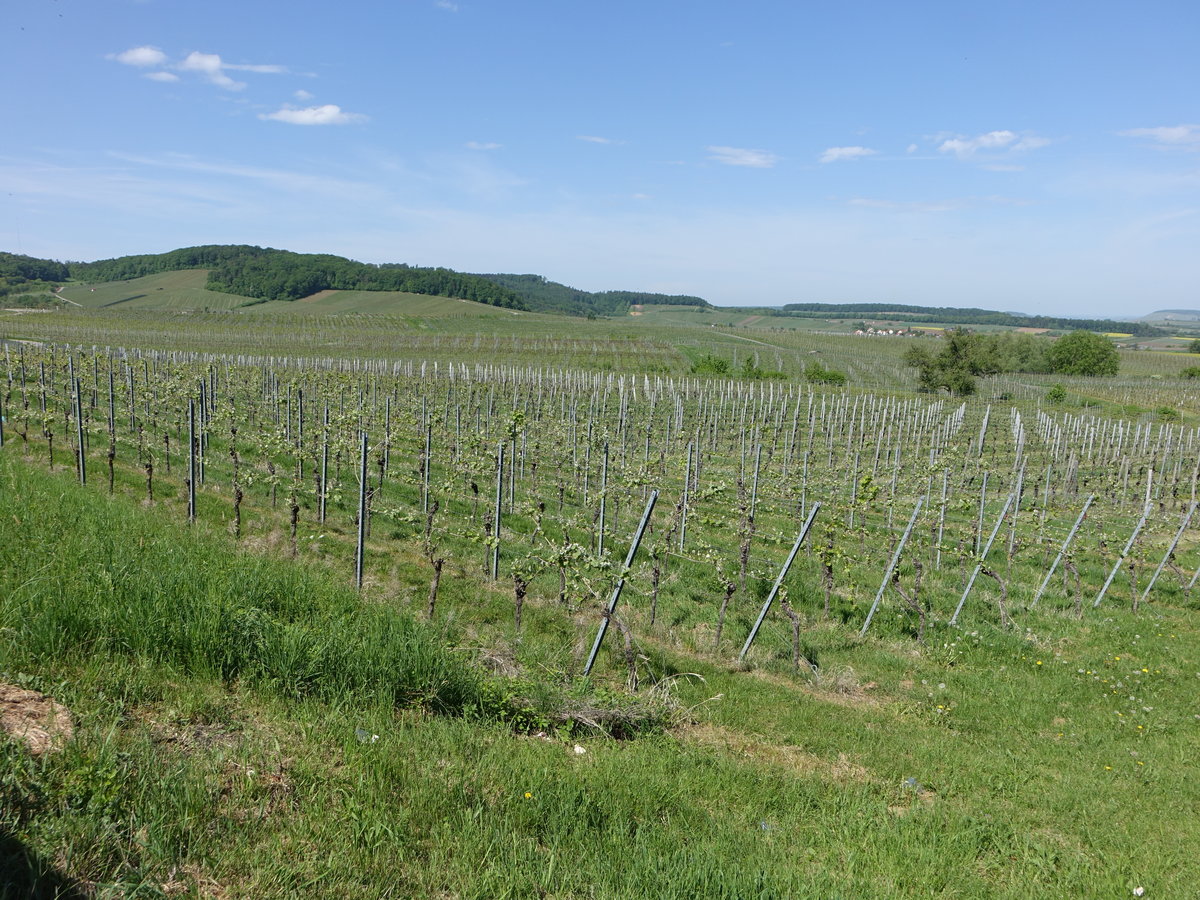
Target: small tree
(1084, 353)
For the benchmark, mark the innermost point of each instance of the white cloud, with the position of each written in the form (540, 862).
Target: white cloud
(302, 95)
(141, 56)
(837, 154)
(912, 148)
(593, 139)
(329, 114)
(998, 141)
(161, 76)
(446, 5)
(1169, 135)
(739, 156)
(483, 145)
(209, 65)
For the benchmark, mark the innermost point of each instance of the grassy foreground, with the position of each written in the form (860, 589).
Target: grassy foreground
(245, 727)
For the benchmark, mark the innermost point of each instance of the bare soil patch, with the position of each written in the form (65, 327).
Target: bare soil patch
(39, 722)
(842, 769)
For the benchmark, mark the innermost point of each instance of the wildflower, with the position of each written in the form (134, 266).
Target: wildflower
(528, 796)
(1039, 662)
(1108, 768)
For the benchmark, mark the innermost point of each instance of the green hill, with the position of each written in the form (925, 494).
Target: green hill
(267, 274)
(544, 295)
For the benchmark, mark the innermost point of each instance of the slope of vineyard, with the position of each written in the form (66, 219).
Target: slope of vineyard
(856, 744)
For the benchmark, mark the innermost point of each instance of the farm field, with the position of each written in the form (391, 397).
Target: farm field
(165, 291)
(859, 745)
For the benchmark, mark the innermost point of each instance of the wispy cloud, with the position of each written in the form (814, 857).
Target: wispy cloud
(1185, 136)
(992, 141)
(838, 154)
(140, 56)
(594, 139)
(210, 67)
(329, 114)
(740, 156)
(935, 206)
(483, 145)
(161, 76)
(446, 5)
(302, 95)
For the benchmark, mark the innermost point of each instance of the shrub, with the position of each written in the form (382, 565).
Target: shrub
(819, 374)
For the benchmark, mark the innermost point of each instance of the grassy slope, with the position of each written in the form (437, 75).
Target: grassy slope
(184, 290)
(166, 291)
(383, 302)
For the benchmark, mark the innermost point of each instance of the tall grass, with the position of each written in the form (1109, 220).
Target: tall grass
(122, 580)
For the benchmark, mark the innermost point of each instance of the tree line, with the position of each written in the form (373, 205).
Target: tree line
(964, 355)
(956, 315)
(551, 296)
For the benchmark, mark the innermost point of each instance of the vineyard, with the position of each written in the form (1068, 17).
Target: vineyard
(539, 478)
(578, 533)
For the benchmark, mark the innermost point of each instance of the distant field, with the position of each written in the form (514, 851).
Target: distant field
(389, 302)
(165, 291)
(693, 316)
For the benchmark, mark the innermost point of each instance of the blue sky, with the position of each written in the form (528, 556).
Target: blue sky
(1042, 157)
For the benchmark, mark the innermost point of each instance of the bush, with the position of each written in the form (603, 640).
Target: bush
(1190, 372)
(819, 374)
(1056, 394)
(711, 365)
(1167, 414)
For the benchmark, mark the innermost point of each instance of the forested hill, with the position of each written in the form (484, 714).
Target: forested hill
(550, 296)
(955, 315)
(267, 274)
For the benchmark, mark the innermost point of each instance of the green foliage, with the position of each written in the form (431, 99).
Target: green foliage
(18, 268)
(1084, 353)
(709, 364)
(752, 370)
(1056, 394)
(963, 356)
(1167, 414)
(1190, 372)
(549, 296)
(27, 282)
(1194, 346)
(817, 373)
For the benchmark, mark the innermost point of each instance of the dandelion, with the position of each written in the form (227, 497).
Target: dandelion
(1039, 662)
(528, 795)
(1108, 768)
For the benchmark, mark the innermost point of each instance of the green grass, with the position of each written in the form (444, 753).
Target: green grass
(173, 291)
(392, 303)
